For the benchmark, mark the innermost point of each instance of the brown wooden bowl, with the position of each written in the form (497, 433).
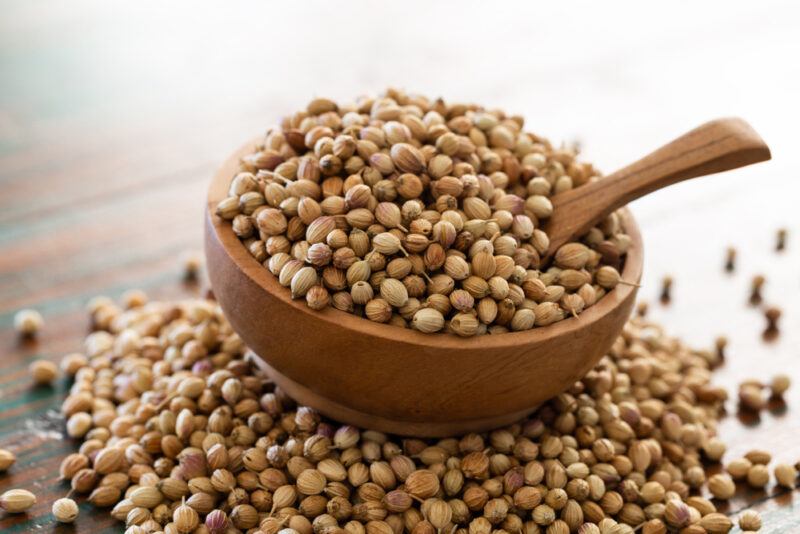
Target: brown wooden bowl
(399, 380)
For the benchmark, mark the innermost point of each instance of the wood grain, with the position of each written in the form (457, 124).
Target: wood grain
(716, 146)
(113, 117)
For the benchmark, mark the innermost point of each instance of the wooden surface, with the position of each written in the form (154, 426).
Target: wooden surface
(399, 384)
(113, 119)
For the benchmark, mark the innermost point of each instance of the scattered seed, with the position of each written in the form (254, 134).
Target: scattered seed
(786, 475)
(730, 260)
(780, 385)
(666, 290)
(43, 372)
(65, 510)
(28, 323)
(772, 315)
(756, 285)
(16, 501)
(7, 459)
(750, 520)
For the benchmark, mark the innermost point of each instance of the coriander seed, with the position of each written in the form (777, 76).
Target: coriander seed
(16, 501)
(780, 241)
(756, 285)
(730, 259)
(28, 323)
(7, 459)
(65, 510)
(418, 199)
(786, 475)
(772, 315)
(750, 520)
(43, 372)
(666, 290)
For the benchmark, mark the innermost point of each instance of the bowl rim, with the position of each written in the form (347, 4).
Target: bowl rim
(260, 275)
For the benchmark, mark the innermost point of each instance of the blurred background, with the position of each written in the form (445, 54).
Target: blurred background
(114, 115)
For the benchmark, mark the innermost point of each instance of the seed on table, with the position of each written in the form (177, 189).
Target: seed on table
(758, 456)
(786, 475)
(71, 464)
(720, 344)
(79, 424)
(730, 259)
(715, 523)
(133, 298)
(721, 486)
(751, 398)
(191, 262)
(237, 448)
(780, 242)
(758, 476)
(779, 385)
(104, 496)
(72, 363)
(7, 459)
(28, 323)
(738, 468)
(714, 449)
(65, 510)
(666, 290)
(43, 372)
(772, 315)
(16, 501)
(756, 285)
(750, 520)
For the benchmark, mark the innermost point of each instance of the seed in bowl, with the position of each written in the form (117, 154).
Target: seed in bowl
(421, 214)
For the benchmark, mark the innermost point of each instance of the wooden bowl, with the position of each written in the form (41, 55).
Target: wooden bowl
(399, 380)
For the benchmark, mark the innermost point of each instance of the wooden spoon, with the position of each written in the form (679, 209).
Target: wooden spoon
(716, 146)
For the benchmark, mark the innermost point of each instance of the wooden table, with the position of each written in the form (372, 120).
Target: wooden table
(113, 118)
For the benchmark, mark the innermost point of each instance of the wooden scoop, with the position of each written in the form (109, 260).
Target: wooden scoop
(716, 146)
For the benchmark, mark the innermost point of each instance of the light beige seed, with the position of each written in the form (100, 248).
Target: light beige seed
(7, 459)
(786, 475)
(750, 520)
(302, 281)
(428, 320)
(16, 501)
(65, 510)
(43, 372)
(721, 486)
(28, 323)
(394, 292)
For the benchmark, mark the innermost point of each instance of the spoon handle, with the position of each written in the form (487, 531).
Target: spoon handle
(715, 146)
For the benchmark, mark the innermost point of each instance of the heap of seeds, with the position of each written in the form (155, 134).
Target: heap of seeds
(420, 213)
(180, 434)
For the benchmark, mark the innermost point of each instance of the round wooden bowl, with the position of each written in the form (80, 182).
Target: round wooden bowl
(399, 380)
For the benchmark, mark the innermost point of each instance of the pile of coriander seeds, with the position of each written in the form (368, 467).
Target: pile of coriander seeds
(181, 434)
(420, 213)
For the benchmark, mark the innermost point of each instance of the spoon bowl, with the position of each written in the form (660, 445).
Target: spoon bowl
(399, 380)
